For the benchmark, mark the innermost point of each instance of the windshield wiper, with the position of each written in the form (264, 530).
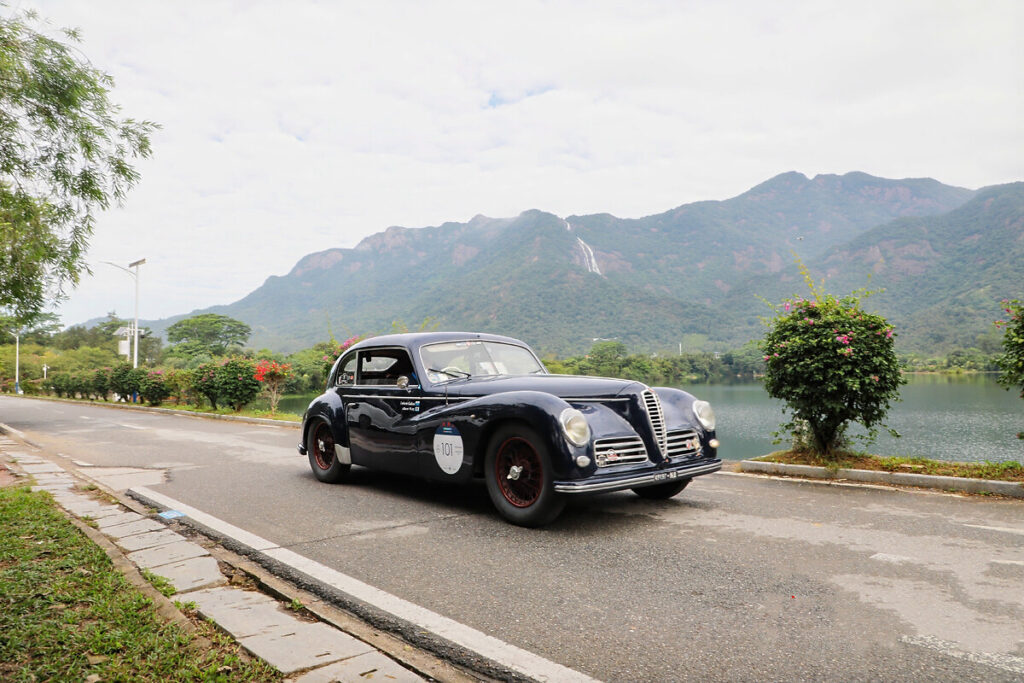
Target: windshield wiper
(451, 372)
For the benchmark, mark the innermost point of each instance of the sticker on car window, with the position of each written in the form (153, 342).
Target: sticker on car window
(448, 448)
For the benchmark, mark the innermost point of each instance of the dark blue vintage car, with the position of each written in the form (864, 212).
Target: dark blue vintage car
(454, 406)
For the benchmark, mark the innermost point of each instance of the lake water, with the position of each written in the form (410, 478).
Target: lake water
(943, 417)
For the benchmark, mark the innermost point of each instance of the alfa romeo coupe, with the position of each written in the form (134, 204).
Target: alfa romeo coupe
(455, 407)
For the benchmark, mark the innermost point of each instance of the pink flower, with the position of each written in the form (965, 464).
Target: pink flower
(786, 307)
(888, 334)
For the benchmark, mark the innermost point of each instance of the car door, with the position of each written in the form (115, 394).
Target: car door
(380, 404)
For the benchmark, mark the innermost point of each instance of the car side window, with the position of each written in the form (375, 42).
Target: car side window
(383, 367)
(347, 372)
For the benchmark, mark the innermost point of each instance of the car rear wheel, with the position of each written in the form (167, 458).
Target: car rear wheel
(519, 477)
(323, 459)
(662, 491)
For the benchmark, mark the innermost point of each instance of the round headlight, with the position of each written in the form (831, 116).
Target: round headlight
(575, 427)
(704, 413)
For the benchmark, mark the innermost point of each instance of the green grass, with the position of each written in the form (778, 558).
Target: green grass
(66, 614)
(999, 471)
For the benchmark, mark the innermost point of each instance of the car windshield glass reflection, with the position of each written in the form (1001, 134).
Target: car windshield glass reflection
(451, 360)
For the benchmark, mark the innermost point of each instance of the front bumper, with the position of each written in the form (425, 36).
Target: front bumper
(634, 479)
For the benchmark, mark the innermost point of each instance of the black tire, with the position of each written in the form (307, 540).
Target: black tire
(528, 498)
(662, 491)
(323, 459)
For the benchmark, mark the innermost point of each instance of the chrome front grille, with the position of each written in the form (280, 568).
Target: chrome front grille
(683, 443)
(619, 450)
(654, 413)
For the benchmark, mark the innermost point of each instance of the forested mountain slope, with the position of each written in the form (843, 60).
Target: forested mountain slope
(689, 273)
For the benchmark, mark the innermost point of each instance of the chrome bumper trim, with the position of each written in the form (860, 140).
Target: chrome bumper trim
(659, 477)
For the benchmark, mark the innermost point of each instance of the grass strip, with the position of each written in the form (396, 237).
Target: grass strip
(66, 614)
(997, 471)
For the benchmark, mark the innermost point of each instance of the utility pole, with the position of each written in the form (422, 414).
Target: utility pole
(17, 362)
(135, 265)
(135, 325)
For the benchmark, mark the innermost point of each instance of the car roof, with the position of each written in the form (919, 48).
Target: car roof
(414, 340)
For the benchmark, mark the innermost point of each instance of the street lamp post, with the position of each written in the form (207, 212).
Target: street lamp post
(135, 326)
(17, 362)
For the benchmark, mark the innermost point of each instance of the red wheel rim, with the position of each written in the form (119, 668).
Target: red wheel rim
(323, 447)
(527, 483)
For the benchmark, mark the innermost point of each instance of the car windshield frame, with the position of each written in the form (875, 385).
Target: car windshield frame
(489, 364)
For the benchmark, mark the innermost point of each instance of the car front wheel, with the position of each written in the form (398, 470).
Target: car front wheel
(662, 491)
(519, 477)
(323, 459)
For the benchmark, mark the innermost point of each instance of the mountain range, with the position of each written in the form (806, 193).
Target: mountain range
(697, 275)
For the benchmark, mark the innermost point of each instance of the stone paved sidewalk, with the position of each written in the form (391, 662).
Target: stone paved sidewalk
(311, 652)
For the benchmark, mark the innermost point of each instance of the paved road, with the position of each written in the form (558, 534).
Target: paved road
(739, 578)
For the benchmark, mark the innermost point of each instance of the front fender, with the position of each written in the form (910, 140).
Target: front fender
(478, 418)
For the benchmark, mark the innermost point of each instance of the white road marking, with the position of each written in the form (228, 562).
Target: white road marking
(895, 559)
(999, 661)
(1014, 563)
(1006, 529)
(125, 424)
(510, 656)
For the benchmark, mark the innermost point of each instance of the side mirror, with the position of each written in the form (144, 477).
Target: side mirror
(402, 382)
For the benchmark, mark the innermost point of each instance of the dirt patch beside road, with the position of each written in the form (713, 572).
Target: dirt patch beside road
(6, 478)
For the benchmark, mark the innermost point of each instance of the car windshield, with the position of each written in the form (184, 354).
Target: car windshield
(449, 360)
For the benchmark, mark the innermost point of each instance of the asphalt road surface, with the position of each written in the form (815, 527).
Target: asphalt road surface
(738, 578)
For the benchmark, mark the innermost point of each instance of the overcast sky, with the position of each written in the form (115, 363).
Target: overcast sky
(291, 127)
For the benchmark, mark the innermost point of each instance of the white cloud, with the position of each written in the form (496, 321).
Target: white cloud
(299, 126)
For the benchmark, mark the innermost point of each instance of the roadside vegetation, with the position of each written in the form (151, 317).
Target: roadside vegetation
(68, 615)
(833, 364)
(1000, 471)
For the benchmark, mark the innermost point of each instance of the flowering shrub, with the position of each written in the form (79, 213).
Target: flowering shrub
(204, 379)
(332, 350)
(832, 363)
(1011, 362)
(273, 376)
(125, 380)
(153, 387)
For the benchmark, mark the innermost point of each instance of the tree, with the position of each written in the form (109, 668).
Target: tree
(273, 376)
(64, 156)
(207, 333)
(832, 363)
(1011, 362)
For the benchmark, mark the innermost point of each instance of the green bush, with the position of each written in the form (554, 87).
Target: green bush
(236, 382)
(153, 388)
(100, 383)
(181, 382)
(231, 382)
(832, 363)
(56, 384)
(126, 380)
(205, 381)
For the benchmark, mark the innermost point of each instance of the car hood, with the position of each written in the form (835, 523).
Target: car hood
(563, 386)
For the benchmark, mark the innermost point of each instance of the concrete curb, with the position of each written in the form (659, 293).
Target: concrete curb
(928, 481)
(169, 411)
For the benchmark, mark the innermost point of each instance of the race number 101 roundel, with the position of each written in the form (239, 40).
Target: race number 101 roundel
(448, 448)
